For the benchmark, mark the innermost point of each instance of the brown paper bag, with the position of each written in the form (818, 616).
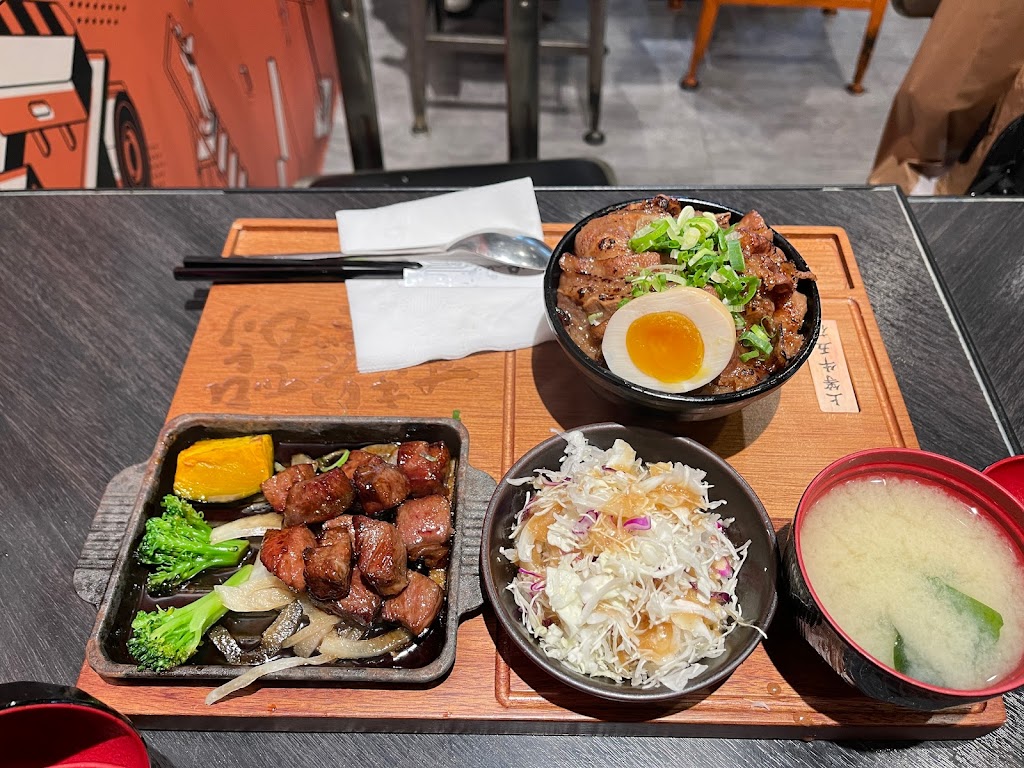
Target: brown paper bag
(968, 61)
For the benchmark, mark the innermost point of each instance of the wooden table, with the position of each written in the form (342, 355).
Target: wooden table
(95, 335)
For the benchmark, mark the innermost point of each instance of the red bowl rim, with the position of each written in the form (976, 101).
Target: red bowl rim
(119, 725)
(984, 488)
(994, 470)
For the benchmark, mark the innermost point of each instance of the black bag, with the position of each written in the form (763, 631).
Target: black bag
(1002, 171)
(916, 9)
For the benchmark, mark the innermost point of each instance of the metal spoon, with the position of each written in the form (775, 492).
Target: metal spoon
(512, 250)
(487, 247)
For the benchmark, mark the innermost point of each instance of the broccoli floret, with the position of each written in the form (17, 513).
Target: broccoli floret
(162, 639)
(178, 544)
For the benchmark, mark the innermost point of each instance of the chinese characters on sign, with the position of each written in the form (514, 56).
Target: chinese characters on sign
(831, 377)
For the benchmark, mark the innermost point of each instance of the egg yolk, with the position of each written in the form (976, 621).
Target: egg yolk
(665, 345)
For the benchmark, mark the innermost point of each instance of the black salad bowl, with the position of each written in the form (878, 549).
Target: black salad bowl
(755, 592)
(684, 406)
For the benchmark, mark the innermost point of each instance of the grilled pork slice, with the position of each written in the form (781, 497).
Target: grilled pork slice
(380, 485)
(319, 498)
(382, 556)
(328, 566)
(622, 266)
(282, 553)
(416, 607)
(426, 526)
(586, 304)
(425, 466)
(277, 487)
(361, 604)
(608, 236)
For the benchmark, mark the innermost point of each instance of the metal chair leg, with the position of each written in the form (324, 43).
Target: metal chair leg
(348, 26)
(417, 55)
(522, 34)
(595, 69)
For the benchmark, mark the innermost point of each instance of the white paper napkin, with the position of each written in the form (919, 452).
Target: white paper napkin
(436, 222)
(400, 323)
(445, 310)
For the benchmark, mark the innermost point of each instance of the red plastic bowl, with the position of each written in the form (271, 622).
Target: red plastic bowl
(43, 725)
(831, 642)
(1009, 473)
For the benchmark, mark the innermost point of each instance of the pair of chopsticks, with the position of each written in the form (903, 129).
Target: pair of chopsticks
(276, 269)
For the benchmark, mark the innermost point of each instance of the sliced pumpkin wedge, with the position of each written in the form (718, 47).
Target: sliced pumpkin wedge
(224, 469)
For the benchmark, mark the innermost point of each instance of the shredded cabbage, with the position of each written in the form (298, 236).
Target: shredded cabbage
(625, 571)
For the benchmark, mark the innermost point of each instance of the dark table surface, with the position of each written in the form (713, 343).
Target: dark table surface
(93, 335)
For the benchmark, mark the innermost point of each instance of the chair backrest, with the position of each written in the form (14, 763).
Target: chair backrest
(567, 172)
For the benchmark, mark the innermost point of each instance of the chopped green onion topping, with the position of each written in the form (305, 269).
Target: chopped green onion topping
(341, 460)
(457, 415)
(735, 255)
(757, 339)
(703, 254)
(595, 318)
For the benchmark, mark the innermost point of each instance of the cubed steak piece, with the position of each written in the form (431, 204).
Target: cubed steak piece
(380, 485)
(277, 487)
(282, 553)
(339, 524)
(329, 565)
(361, 604)
(425, 465)
(426, 526)
(355, 460)
(416, 607)
(319, 498)
(382, 557)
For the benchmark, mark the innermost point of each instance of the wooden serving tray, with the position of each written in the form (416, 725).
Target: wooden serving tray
(287, 349)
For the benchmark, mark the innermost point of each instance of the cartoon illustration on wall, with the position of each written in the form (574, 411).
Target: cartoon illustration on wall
(143, 93)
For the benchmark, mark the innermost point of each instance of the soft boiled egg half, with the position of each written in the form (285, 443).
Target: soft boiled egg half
(673, 341)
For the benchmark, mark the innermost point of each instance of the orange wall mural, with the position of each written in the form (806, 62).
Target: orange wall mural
(164, 93)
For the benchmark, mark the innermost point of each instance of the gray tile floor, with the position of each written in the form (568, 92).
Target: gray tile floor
(772, 107)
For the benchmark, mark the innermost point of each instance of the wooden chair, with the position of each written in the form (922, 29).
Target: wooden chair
(709, 13)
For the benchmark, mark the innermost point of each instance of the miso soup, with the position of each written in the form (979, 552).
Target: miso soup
(918, 580)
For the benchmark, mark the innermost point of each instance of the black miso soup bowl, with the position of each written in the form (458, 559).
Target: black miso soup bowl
(684, 406)
(755, 590)
(839, 650)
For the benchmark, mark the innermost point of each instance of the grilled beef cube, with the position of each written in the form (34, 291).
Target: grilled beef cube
(339, 524)
(382, 557)
(277, 487)
(426, 526)
(416, 607)
(319, 498)
(329, 565)
(282, 553)
(380, 485)
(425, 465)
(355, 460)
(361, 604)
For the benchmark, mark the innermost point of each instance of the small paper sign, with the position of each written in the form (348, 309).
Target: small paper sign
(831, 377)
